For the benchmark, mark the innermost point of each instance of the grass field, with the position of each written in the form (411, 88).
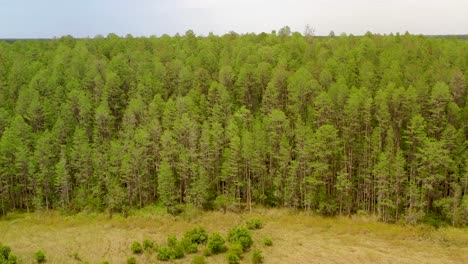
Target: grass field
(297, 237)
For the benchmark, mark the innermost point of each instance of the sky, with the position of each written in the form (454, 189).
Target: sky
(88, 18)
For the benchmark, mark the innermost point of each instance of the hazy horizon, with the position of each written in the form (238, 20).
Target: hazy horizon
(87, 18)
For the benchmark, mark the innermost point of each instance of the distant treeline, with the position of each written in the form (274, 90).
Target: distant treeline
(338, 125)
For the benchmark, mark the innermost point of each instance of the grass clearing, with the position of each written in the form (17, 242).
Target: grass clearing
(296, 237)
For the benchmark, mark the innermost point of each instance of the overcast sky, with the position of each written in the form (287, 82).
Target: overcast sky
(88, 18)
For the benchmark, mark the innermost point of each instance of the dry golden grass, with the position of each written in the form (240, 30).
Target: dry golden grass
(297, 237)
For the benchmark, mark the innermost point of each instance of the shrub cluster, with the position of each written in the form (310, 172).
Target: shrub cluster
(197, 235)
(234, 254)
(215, 244)
(254, 224)
(6, 257)
(241, 235)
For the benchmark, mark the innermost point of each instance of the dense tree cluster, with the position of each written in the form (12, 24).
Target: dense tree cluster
(337, 125)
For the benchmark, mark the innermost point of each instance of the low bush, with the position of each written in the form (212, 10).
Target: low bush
(236, 249)
(40, 256)
(198, 260)
(6, 257)
(215, 244)
(171, 241)
(4, 252)
(254, 224)
(136, 247)
(267, 242)
(257, 257)
(189, 246)
(104, 262)
(241, 235)
(148, 245)
(178, 251)
(232, 258)
(165, 253)
(131, 260)
(12, 259)
(197, 235)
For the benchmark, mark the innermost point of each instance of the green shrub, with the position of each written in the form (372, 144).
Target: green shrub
(165, 253)
(189, 246)
(4, 252)
(40, 257)
(172, 241)
(232, 258)
(178, 251)
(197, 235)
(136, 247)
(215, 244)
(221, 202)
(198, 260)
(104, 262)
(240, 235)
(148, 245)
(254, 224)
(12, 259)
(131, 260)
(257, 257)
(267, 242)
(236, 249)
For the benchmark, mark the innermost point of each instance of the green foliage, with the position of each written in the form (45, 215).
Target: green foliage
(172, 241)
(131, 260)
(197, 235)
(136, 248)
(165, 253)
(104, 262)
(232, 258)
(6, 257)
(267, 242)
(257, 257)
(40, 256)
(215, 245)
(236, 249)
(221, 202)
(12, 259)
(86, 124)
(148, 245)
(254, 223)
(4, 251)
(240, 235)
(198, 260)
(178, 251)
